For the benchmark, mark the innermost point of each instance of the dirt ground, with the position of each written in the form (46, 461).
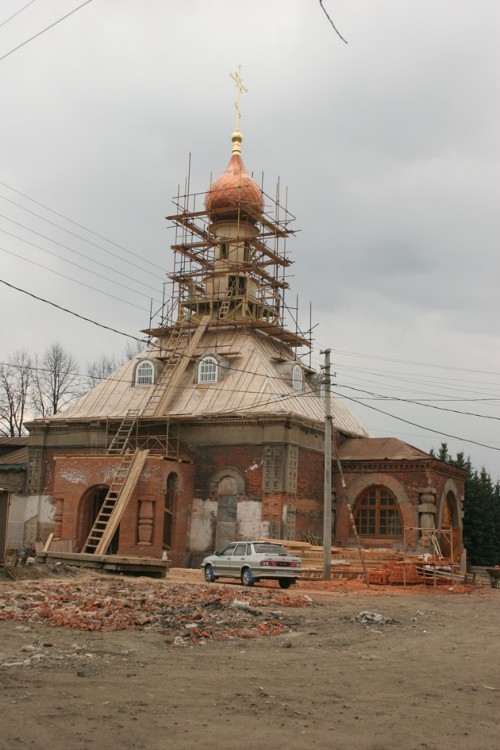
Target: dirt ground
(428, 678)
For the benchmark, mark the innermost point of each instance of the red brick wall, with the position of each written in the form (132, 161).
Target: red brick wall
(308, 499)
(411, 478)
(75, 475)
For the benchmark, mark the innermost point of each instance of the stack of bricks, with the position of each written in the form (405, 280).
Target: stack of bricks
(395, 573)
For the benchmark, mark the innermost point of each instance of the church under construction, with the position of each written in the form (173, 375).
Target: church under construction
(215, 432)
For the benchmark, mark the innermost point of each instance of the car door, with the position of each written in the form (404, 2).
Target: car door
(239, 559)
(224, 561)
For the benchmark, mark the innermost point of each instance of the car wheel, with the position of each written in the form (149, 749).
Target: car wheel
(285, 583)
(247, 577)
(209, 573)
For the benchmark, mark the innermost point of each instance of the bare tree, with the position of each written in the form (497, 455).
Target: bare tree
(56, 381)
(15, 379)
(104, 366)
(101, 369)
(133, 348)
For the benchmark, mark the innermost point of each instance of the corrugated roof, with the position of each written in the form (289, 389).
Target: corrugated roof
(255, 383)
(8, 441)
(15, 457)
(379, 449)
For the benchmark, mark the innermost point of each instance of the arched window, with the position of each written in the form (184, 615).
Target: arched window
(208, 370)
(377, 513)
(297, 378)
(144, 374)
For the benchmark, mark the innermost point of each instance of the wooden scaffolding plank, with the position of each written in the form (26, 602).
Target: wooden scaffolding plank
(180, 368)
(126, 492)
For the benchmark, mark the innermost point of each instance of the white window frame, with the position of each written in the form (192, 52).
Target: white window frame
(145, 373)
(208, 370)
(297, 378)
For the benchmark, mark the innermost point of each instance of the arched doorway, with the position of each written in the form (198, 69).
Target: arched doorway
(226, 512)
(90, 505)
(451, 537)
(168, 510)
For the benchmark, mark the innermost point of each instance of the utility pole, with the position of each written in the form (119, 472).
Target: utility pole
(327, 497)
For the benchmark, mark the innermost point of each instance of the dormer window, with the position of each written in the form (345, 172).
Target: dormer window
(297, 378)
(208, 370)
(144, 373)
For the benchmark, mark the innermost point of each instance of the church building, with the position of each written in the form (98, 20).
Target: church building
(215, 432)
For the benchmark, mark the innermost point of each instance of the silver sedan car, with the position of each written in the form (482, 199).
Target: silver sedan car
(253, 561)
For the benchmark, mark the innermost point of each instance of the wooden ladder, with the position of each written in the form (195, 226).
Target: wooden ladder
(119, 442)
(226, 302)
(115, 502)
(125, 480)
(174, 369)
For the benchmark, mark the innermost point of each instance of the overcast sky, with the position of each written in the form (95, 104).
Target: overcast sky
(389, 147)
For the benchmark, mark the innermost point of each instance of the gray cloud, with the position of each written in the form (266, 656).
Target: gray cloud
(389, 148)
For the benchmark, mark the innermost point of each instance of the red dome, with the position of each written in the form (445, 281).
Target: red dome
(234, 189)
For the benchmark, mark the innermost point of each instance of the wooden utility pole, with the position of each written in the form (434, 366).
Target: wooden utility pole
(327, 497)
(351, 514)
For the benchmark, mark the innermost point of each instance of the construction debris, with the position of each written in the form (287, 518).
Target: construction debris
(187, 614)
(374, 618)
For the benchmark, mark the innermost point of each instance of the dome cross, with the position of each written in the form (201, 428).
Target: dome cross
(240, 87)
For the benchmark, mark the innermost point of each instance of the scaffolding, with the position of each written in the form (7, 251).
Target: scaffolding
(239, 280)
(430, 561)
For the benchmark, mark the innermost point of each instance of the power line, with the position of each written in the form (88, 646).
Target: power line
(419, 403)
(72, 263)
(16, 13)
(412, 362)
(75, 281)
(70, 312)
(67, 247)
(44, 30)
(81, 226)
(414, 424)
(280, 398)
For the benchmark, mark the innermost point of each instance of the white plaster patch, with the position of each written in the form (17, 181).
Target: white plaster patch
(74, 476)
(248, 517)
(203, 518)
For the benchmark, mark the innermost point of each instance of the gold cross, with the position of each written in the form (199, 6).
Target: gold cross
(239, 88)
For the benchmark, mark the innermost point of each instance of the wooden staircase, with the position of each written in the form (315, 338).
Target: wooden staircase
(115, 502)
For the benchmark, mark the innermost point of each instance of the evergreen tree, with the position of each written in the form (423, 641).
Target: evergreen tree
(481, 522)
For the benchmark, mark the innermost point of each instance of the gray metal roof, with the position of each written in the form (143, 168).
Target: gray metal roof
(256, 382)
(380, 449)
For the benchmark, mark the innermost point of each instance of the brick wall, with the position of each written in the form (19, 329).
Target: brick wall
(406, 480)
(74, 478)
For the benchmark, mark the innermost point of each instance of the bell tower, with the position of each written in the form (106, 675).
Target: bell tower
(230, 258)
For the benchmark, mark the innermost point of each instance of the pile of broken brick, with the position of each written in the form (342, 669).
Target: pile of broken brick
(187, 614)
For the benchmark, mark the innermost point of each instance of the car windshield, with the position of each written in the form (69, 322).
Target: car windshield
(270, 549)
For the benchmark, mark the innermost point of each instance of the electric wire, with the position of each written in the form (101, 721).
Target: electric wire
(414, 424)
(75, 281)
(413, 362)
(17, 13)
(152, 346)
(44, 30)
(419, 403)
(82, 226)
(281, 397)
(70, 312)
(77, 265)
(67, 247)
